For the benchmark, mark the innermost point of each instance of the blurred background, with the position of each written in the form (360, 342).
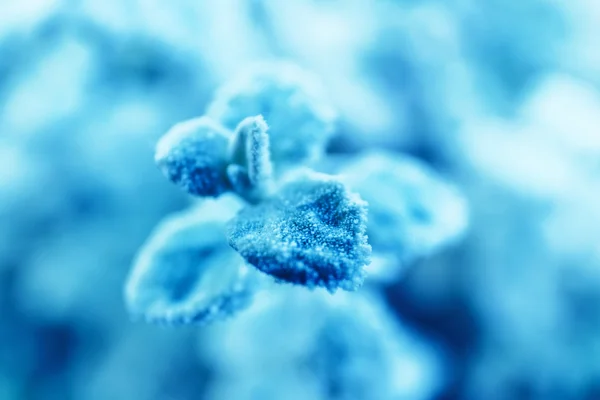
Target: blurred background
(502, 97)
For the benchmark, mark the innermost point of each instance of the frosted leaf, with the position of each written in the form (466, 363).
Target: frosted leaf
(186, 272)
(311, 232)
(250, 171)
(300, 119)
(412, 210)
(193, 155)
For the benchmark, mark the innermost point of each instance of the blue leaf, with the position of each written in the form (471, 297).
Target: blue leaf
(300, 118)
(413, 211)
(250, 171)
(186, 272)
(311, 232)
(193, 155)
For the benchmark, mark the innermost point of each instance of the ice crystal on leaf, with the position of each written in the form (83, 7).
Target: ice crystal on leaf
(250, 171)
(193, 155)
(186, 272)
(301, 120)
(311, 232)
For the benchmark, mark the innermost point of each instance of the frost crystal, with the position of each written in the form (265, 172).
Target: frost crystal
(300, 119)
(250, 171)
(311, 232)
(186, 272)
(193, 155)
(412, 210)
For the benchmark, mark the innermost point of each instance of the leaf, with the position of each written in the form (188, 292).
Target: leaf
(413, 211)
(193, 155)
(311, 232)
(301, 119)
(186, 273)
(250, 171)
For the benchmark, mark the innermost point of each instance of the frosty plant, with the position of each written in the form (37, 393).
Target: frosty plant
(266, 211)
